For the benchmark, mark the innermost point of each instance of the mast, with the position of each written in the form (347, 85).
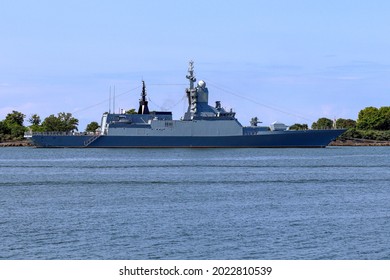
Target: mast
(113, 101)
(190, 75)
(109, 102)
(143, 103)
(191, 91)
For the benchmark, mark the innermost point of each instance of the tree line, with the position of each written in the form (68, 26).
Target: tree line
(12, 127)
(372, 123)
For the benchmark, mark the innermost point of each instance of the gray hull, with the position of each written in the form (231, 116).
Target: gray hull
(268, 139)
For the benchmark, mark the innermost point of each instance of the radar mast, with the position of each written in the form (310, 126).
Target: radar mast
(192, 94)
(143, 103)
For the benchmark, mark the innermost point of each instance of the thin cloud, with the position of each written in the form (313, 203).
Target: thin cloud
(349, 78)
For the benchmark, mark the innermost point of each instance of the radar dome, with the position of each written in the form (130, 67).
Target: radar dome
(202, 84)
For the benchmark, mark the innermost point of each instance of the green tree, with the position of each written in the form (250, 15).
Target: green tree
(17, 131)
(35, 119)
(15, 118)
(91, 127)
(69, 122)
(51, 123)
(131, 111)
(298, 126)
(4, 131)
(322, 123)
(345, 123)
(13, 125)
(384, 118)
(64, 122)
(368, 118)
(4, 128)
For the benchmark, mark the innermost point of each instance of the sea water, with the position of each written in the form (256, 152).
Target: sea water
(331, 203)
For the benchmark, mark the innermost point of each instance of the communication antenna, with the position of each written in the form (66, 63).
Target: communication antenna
(113, 101)
(109, 101)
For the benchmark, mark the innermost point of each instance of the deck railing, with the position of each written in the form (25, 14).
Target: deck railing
(29, 134)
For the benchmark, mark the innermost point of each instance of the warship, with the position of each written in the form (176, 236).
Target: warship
(202, 126)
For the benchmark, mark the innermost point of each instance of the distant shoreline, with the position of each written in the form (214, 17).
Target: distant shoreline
(359, 142)
(16, 143)
(352, 143)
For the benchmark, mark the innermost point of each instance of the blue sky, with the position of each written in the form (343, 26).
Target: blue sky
(290, 61)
